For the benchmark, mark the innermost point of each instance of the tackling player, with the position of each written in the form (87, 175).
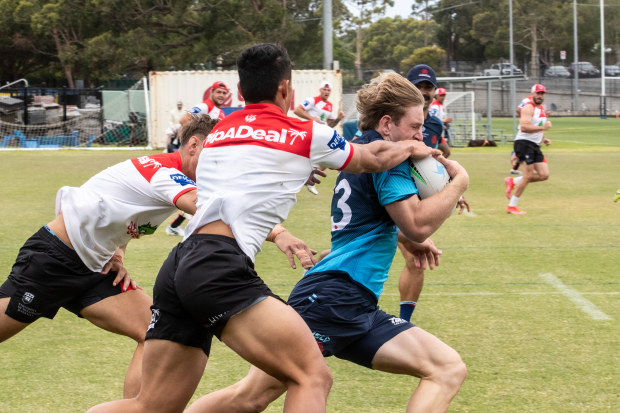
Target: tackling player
(252, 165)
(338, 297)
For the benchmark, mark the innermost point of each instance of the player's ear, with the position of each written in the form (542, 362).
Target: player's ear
(193, 145)
(384, 126)
(283, 88)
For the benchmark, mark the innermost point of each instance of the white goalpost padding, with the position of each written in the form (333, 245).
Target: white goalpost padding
(460, 106)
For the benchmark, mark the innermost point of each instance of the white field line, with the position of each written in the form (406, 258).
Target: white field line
(487, 293)
(484, 293)
(578, 299)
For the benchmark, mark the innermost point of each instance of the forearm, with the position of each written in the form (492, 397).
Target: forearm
(532, 129)
(302, 113)
(332, 122)
(420, 222)
(379, 156)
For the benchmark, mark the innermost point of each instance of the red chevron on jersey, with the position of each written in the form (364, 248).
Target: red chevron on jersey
(149, 164)
(262, 125)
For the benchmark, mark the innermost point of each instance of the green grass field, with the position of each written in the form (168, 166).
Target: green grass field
(530, 345)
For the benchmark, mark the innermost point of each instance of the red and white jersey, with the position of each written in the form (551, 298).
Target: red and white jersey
(524, 102)
(124, 201)
(209, 108)
(319, 108)
(538, 119)
(437, 109)
(252, 165)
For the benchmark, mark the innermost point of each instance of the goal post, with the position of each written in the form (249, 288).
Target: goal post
(460, 107)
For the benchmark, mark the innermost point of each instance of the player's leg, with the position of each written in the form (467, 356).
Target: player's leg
(173, 228)
(536, 169)
(36, 286)
(273, 337)
(410, 284)
(418, 353)
(8, 325)
(251, 394)
(171, 372)
(127, 314)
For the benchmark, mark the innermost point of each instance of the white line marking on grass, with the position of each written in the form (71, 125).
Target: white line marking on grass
(579, 300)
(488, 293)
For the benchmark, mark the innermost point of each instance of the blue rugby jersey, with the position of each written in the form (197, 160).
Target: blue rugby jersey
(364, 237)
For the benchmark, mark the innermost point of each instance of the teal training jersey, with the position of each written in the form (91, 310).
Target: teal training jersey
(364, 237)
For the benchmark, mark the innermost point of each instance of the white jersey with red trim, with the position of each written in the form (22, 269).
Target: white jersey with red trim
(252, 165)
(539, 118)
(319, 108)
(209, 108)
(524, 102)
(437, 109)
(124, 201)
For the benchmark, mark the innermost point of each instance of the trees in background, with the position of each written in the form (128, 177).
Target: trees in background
(95, 40)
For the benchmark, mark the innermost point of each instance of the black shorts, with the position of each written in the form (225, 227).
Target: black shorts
(344, 317)
(205, 281)
(528, 152)
(47, 275)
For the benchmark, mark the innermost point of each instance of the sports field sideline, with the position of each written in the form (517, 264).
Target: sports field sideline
(532, 302)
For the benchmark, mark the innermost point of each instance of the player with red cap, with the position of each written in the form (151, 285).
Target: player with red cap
(438, 109)
(532, 125)
(218, 92)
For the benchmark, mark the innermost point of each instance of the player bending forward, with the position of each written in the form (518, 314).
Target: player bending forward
(338, 297)
(251, 167)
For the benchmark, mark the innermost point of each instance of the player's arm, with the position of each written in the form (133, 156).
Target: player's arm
(419, 254)
(333, 122)
(301, 112)
(187, 202)
(419, 219)
(292, 247)
(115, 264)
(444, 148)
(381, 155)
(526, 121)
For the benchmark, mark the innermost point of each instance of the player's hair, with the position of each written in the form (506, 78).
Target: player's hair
(388, 94)
(261, 68)
(200, 126)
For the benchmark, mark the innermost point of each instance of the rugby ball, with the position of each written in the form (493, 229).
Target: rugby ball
(429, 176)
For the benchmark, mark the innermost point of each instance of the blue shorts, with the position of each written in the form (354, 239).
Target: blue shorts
(344, 317)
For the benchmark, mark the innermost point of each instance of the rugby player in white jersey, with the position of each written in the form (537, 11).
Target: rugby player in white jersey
(251, 167)
(338, 298)
(532, 126)
(76, 260)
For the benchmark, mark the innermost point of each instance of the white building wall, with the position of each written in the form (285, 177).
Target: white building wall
(166, 88)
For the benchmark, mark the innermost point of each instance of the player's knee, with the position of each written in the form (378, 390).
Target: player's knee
(320, 378)
(453, 373)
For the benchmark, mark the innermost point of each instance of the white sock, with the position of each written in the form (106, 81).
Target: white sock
(513, 201)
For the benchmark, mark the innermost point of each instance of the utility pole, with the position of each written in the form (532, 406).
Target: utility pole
(603, 97)
(576, 61)
(328, 45)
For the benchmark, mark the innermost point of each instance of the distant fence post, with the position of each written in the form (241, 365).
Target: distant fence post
(26, 105)
(64, 103)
